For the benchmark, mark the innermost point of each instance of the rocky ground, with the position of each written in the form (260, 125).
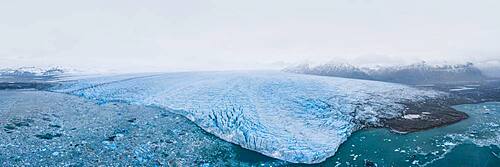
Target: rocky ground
(50, 129)
(425, 115)
(435, 113)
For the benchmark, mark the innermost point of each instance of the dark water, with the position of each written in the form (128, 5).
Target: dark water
(472, 142)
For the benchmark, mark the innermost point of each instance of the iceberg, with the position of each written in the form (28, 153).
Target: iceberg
(293, 117)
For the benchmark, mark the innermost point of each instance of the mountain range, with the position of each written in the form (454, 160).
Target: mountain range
(417, 73)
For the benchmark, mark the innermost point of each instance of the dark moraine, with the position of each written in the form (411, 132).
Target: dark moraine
(25, 85)
(430, 114)
(27, 82)
(436, 113)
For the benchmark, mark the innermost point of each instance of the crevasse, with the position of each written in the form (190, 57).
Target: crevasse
(293, 117)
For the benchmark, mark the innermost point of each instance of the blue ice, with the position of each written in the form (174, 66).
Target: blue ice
(293, 117)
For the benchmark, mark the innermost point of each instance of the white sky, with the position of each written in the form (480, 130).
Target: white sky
(232, 34)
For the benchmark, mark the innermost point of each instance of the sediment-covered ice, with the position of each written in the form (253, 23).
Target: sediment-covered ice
(293, 117)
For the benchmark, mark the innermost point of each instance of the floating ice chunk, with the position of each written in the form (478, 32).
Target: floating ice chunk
(411, 116)
(293, 117)
(461, 89)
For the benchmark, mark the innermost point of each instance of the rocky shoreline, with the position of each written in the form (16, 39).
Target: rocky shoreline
(423, 116)
(436, 113)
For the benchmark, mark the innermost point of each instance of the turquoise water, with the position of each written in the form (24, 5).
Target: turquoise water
(473, 142)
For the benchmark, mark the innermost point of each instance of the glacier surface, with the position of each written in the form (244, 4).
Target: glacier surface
(293, 117)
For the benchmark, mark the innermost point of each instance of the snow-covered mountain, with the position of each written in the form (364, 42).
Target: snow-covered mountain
(422, 73)
(418, 73)
(336, 70)
(297, 118)
(31, 72)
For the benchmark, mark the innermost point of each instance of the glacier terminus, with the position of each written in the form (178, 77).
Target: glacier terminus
(293, 117)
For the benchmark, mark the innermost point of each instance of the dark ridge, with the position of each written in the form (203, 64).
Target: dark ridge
(29, 78)
(479, 92)
(25, 85)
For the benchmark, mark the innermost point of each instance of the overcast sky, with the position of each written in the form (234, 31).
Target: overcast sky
(232, 34)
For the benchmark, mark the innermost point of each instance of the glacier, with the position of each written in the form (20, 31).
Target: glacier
(293, 117)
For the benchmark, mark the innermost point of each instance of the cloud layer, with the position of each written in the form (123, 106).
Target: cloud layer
(224, 34)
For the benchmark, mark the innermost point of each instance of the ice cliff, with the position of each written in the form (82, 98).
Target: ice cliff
(293, 117)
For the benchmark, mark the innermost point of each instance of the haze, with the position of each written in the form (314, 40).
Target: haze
(180, 35)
